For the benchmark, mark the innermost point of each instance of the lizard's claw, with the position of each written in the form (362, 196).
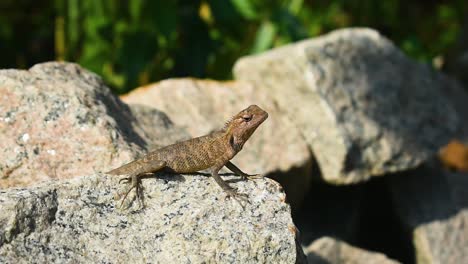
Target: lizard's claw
(232, 193)
(125, 180)
(252, 177)
(134, 184)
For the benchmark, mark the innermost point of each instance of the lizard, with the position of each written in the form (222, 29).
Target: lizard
(212, 151)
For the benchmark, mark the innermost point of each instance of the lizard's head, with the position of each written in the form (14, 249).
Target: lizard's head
(242, 125)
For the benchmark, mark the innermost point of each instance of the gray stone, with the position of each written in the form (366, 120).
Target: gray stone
(458, 98)
(328, 250)
(155, 127)
(364, 107)
(186, 220)
(277, 148)
(433, 205)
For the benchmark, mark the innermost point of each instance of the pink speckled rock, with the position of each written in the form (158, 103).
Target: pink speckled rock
(58, 120)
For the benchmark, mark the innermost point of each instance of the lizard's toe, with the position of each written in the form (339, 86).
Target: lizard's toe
(125, 180)
(252, 177)
(236, 195)
(134, 184)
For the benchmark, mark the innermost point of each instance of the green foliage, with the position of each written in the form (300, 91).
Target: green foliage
(134, 42)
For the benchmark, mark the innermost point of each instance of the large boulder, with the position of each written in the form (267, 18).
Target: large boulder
(433, 206)
(330, 250)
(363, 106)
(58, 120)
(155, 127)
(186, 219)
(276, 149)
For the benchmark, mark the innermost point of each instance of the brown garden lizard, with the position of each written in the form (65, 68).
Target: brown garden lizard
(212, 151)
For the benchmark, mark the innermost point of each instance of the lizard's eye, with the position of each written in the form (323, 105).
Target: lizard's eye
(247, 118)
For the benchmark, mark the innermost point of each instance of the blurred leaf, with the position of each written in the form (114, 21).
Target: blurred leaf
(245, 8)
(73, 28)
(163, 16)
(295, 6)
(133, 42)
(135, 8)
(265, 35)
(135, 52)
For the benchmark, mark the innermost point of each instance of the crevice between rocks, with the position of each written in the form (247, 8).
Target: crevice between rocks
(379, 227)
(362, 215)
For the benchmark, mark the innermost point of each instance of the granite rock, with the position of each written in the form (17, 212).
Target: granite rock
(155, 127)
(362, 105)
(186, 219)
(328, 250)
(458, 97)
(433, 206)
(277, 148)
(58, 120)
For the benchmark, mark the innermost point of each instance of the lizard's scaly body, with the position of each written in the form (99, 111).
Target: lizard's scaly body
(212, 151)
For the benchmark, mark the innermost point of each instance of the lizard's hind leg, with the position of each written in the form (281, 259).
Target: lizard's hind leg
(134, 184)
(142, 166)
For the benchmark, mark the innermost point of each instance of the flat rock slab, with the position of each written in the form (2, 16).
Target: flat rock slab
(58, 120)
(433, 206)
(330, 250)
(186, 220)
(276, 149)
(361, 104)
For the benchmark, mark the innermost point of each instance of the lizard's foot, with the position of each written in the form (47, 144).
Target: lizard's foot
(125, 180)
(232, 193)
(134, 184)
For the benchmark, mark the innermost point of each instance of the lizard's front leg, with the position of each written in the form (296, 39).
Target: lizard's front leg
(232, 192)
(239, 172)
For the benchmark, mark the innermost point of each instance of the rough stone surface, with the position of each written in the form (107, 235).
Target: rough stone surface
(363, 106)
(58, 120)
(276, 149)
(433, 205)
(155, 127)
(186, 220)
(329, 250)
(458, 98)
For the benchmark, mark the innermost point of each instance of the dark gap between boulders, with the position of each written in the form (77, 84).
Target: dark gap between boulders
(379, 228)
(362, 215)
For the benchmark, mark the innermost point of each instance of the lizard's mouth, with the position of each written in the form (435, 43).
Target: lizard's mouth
(258, 121)
(263, 117)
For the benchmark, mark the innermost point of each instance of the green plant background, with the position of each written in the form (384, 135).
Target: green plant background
(131, 43)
